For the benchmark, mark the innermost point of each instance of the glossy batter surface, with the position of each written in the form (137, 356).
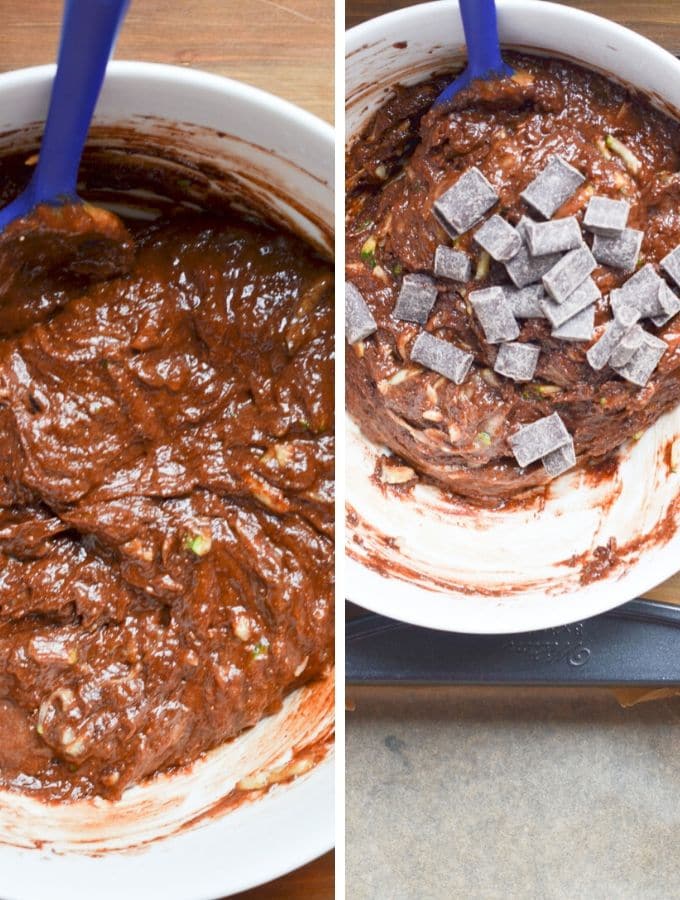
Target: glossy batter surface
(457, 435)
(166, 518)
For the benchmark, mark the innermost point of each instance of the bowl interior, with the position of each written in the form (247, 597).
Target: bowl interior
(169, 834)
(595, 539)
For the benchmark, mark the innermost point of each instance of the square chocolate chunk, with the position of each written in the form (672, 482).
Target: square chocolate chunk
(620, 251)
(526, 302)
(642, 291)
(525, 269)
(671, 304)
(585, 295)
(359, 321)
(560, 460)
(638, 370)
(556, 236)
(416, 299)
(441, 357)
(537, 440)
(464, 204)
(606, 216)
(570, 272)
(579, 328)
(671, 265)
(452, 264)
(625, 349)
(517, 361)
(495, 315)
(552, 187)
(600, 353)
(500, 240)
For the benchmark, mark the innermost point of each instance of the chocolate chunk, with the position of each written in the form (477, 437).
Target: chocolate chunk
(525, 269)
(556, 236)
(494, 314)
(671, 265)
(671, 304)
(452, 264)
(525, 303)
(579, 328)
(416, 298)
(619, 252)
(517, 361)
(464, 204)
(560, 460)
(600, 353)
(625, 349)
(537, 440)
(442, 357)
(567, 274)
(359, 321)
(552, 187)
(642, 291)
(606, 216)
(644, 361)
(585, 295)
(500, 240)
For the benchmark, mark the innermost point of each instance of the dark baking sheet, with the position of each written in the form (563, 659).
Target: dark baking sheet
(636, 644)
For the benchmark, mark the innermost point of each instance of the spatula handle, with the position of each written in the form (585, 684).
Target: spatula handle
(480, 24)
(88, 34)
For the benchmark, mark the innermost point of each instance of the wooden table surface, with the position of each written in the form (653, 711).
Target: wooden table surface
(282, 46)
(655, 19)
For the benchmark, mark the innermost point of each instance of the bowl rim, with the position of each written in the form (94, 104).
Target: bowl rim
(164, 72)
(356, 35)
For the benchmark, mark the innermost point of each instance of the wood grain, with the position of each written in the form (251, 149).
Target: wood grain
(312, 882)
(282, 46)
(657, 19)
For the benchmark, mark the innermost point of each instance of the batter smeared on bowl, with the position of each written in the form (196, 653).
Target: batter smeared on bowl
(512, 266)
(166, 517)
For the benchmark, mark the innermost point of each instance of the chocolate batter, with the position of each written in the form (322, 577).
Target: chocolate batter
(166, 514)
(409, 154)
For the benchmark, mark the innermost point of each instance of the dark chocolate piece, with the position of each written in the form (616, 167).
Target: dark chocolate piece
(500, 240)
(638, 370)
(606, 216)
(526, 302)
(359, 321)
(620, 251)
(570, 272)
(525, 269)
(585, 295)
(579, 328)
(556, 236)
(517, 361)
(600, 353)
(552, 187)
(560, 460)
(451, 264)
(537, 440)
(442, 357)
(464, 204)
(416, 299)
(495, 315)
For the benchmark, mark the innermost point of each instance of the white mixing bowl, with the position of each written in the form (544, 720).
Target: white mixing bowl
(179, 837)
(433, 561)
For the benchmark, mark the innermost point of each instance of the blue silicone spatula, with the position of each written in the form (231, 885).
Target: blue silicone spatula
(483, 47)
(88, 35)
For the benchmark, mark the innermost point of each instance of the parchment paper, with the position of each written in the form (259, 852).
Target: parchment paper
(512, 794)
